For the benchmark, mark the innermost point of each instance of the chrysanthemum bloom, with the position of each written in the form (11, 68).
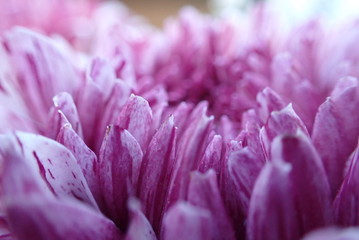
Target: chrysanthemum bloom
(188, 133)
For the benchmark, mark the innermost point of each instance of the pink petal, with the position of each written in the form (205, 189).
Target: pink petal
(212, 155)
(203, 192)
(195, 223)
(336, 129)
(84, 156)
(118, 169)
(156, 170)
(56, 166)
(136, 117)
(347, 199)
(271, 214)
(310, 184)
(44, 219)
(63, 102)
(244, 169)
(285, 121)
(190, 150)
(35, 62)
(268, 102)
(139, 227)
(334, 234)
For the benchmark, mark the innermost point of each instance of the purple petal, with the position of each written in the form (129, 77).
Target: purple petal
(334, 234)
(156, 170)
(285, 121)
(139, 227)
(203, 192)
(119, 167)
(244, 169)
(271, 214)
(44, 219)
(195, 223)
(310, 184)
(136, 117)
(268, 102)
(84, 156)
(190, 150)
(336, 129)
(41, 71)
(56, 166)
(212, 156)
(64, 102)
(347, 199)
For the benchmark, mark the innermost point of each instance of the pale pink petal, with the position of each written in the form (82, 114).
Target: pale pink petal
(212, 156)
(140, 228)
(195, 223)
(334, 234)
(44, 219)
(55, 165)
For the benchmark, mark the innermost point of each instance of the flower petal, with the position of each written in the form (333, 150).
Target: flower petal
(43, 219)
(212, 155)
(310, 184)
(139, 227)
(271, 214)
(136, 117)
(194, 222)
(244, 169)
(156, 170)
(118, 169)
(334, 234)
(56, 166)
(203, 192)
(336, 129)
(347, 199)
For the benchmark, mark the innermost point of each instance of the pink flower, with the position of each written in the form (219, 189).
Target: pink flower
(192, 132)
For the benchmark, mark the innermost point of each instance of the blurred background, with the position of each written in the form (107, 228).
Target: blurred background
(294, 10)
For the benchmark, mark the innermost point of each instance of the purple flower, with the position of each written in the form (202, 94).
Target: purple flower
(209, 129)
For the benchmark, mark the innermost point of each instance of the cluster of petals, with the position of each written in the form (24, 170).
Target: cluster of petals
(209, 128)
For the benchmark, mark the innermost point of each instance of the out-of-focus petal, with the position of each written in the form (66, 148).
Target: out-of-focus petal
(44, 219)
(140, 228)
(271, 214)
(186, 222)
(334, 234)
(347, 199)
(268, 101)
(203, 192)
(119, 166)
(336, 129)
(310, 186)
